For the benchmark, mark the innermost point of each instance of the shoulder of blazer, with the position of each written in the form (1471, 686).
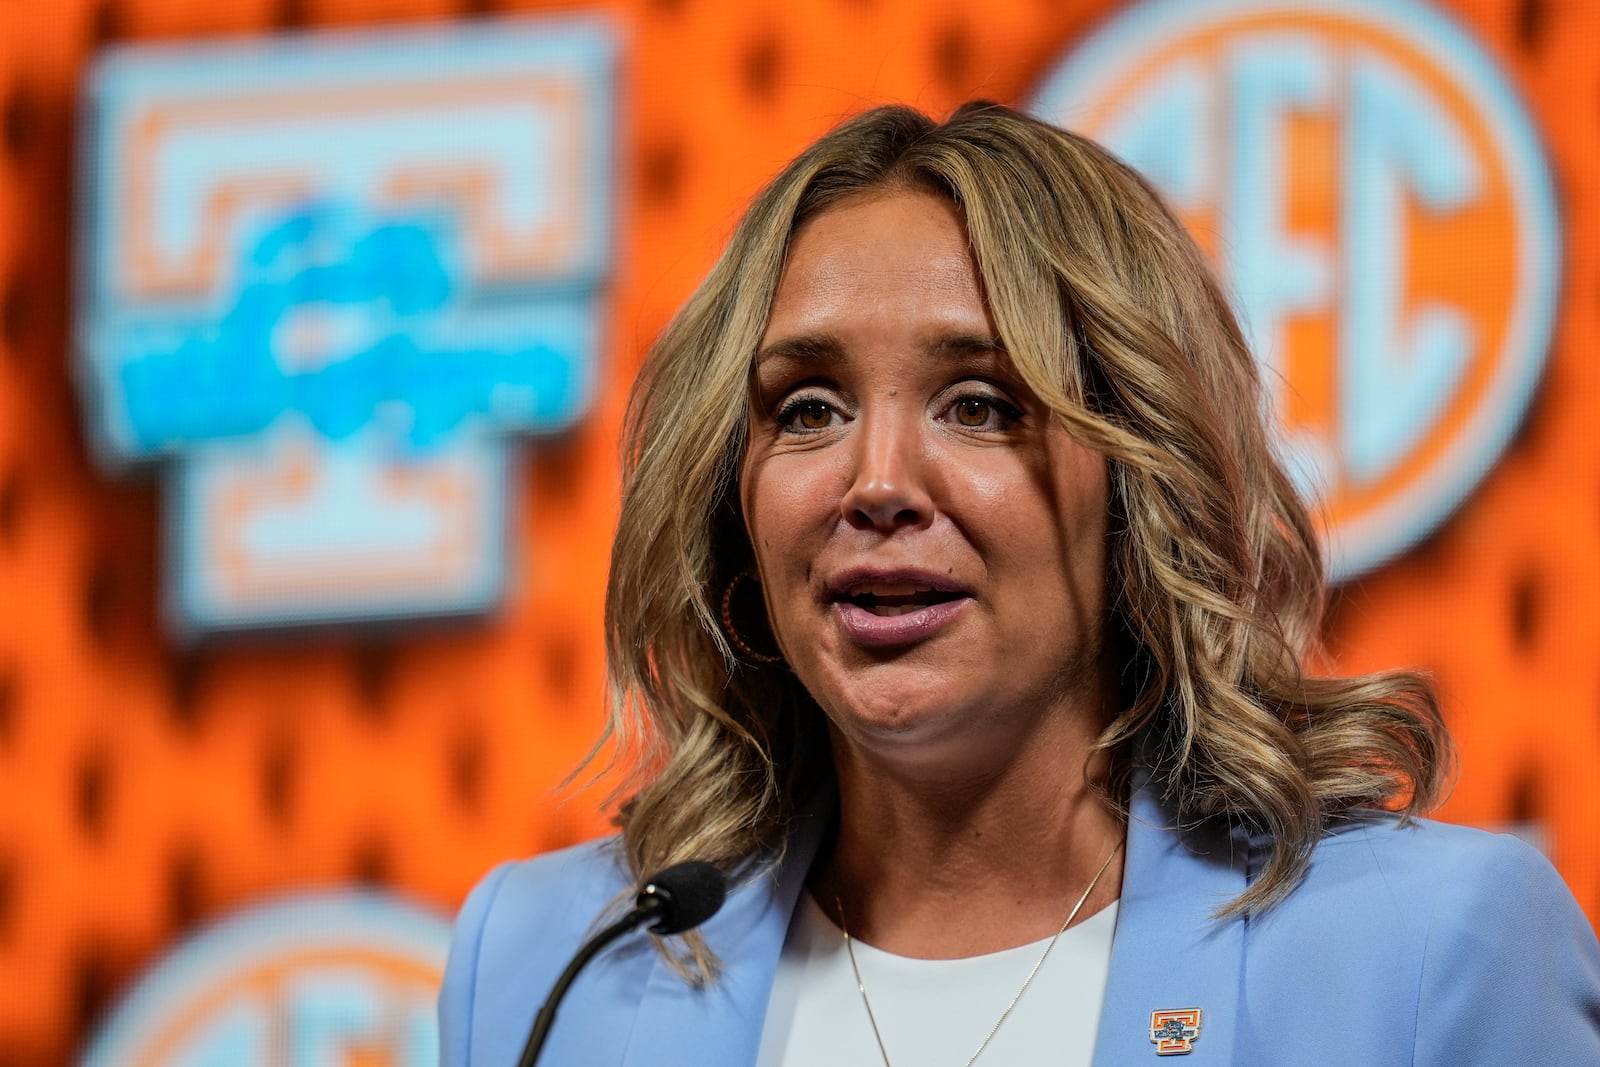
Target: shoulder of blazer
(1424, 937)
(1378, 878)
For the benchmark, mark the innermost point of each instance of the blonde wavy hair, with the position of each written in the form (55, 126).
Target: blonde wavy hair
(1113, 318)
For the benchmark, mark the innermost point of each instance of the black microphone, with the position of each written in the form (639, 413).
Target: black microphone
(679, 898)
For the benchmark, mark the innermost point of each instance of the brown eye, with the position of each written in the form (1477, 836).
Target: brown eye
(813, 416)
(805, 414)
(972, 412)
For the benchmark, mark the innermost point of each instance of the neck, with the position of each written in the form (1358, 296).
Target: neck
(940, 866)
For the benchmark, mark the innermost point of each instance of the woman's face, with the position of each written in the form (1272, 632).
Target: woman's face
(932, 545)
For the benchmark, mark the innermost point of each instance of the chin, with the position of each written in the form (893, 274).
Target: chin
(901, 711)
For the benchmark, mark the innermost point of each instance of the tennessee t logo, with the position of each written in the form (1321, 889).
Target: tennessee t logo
(1173, 1031)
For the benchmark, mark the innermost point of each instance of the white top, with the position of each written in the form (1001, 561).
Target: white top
(934, 1013)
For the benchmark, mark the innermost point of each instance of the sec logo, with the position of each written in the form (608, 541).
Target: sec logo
(312, 981)
(1378, 205)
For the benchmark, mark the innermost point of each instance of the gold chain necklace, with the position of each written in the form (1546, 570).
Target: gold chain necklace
(849, 947)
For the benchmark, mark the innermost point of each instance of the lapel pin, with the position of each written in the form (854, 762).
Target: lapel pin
(1173, 1030)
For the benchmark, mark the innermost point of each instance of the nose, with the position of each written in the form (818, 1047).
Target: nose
(888, 488)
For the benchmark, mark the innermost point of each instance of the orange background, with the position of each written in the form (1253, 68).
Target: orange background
(149, 787)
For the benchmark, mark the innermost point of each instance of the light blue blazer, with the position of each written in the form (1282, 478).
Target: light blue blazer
(1423, 945)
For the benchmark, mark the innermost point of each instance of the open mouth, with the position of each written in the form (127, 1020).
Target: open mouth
(898, 600)
(887, 610)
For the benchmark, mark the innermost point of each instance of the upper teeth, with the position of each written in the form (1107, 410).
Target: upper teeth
(893, 590)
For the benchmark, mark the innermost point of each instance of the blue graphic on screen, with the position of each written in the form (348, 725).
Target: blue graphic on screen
(381, 301)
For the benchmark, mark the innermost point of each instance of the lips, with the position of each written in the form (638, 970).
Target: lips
(885, 608)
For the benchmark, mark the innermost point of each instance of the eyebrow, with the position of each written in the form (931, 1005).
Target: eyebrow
(827, 348)
(966, 345)
(812, 348)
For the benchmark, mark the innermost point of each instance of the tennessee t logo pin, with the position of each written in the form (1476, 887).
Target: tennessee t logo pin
(1174, 1030)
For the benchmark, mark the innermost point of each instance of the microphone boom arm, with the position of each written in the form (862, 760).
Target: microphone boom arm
(641, 913)
(679, 898)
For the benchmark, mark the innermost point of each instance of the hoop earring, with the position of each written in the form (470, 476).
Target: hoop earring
(731, 630)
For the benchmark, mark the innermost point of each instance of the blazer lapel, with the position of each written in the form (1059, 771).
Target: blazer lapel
(721, 1026)
(1169, 954)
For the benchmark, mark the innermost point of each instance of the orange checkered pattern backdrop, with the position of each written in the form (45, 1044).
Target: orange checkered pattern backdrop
(149, 787)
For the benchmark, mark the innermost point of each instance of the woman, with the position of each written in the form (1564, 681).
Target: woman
(959, 607)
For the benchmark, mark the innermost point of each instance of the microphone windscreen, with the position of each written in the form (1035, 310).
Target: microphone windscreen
(687, 894)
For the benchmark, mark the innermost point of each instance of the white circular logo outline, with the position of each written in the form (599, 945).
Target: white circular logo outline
(283, 925)
(1400, 523)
